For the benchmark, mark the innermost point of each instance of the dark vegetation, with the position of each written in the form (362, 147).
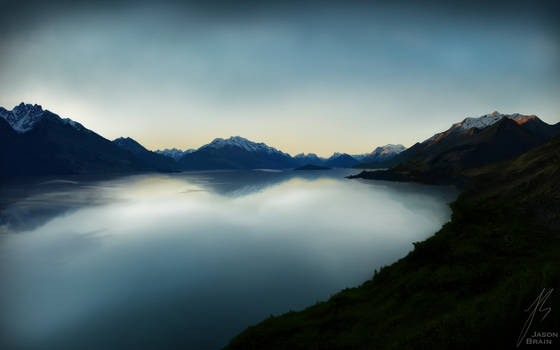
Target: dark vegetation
(466, 287)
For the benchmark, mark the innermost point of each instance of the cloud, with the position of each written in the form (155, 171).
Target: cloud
(177, 74)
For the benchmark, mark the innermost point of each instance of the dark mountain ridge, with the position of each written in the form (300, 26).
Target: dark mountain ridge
(344, 160)
(155, 160)
(465, 144)
(44, 143)
(236, 153)
(340, 161)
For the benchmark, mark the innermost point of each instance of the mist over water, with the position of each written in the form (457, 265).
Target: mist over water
(191, 259)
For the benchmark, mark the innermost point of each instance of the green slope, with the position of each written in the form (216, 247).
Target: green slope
(467, 286)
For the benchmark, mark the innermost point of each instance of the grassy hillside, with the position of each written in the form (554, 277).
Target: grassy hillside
(467, 286)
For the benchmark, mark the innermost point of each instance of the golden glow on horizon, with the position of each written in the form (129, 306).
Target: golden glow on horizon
(172, 77)
(291, 129)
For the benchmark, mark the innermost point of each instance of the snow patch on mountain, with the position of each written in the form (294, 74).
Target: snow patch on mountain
(174, 152)
(391, 148)
(381, 153)
(23, 117)
(388, 149)
(490, 119)
(482, 122)
(308, 155)
(238, 141)
(336, 155)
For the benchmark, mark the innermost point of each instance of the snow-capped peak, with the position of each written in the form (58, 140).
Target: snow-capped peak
(490, 119)
(481, 122)
(381, 153)
(389, 148)
(174, 152)
(308, 155)
(336, 155)
(238, 141)
(23, 117)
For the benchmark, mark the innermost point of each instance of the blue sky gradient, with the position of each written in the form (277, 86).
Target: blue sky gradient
(303, 77)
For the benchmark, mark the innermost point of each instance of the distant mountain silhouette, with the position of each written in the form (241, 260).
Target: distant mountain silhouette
(174, 152)
(38, 142)
(154, 160)
(312, 167)
(310, 158)
(381, 154)
(338, 160)
(236, 153)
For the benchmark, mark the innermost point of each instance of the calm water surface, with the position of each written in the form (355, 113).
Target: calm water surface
(191, 259)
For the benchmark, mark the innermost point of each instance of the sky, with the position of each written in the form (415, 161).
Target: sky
(302, 76)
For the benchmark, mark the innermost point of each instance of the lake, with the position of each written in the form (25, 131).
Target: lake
(191, 259)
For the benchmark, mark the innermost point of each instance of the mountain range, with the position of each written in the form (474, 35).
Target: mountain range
(38, 142)
(471, 142)
(344, 160)
(235, 153)
(35, 141)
